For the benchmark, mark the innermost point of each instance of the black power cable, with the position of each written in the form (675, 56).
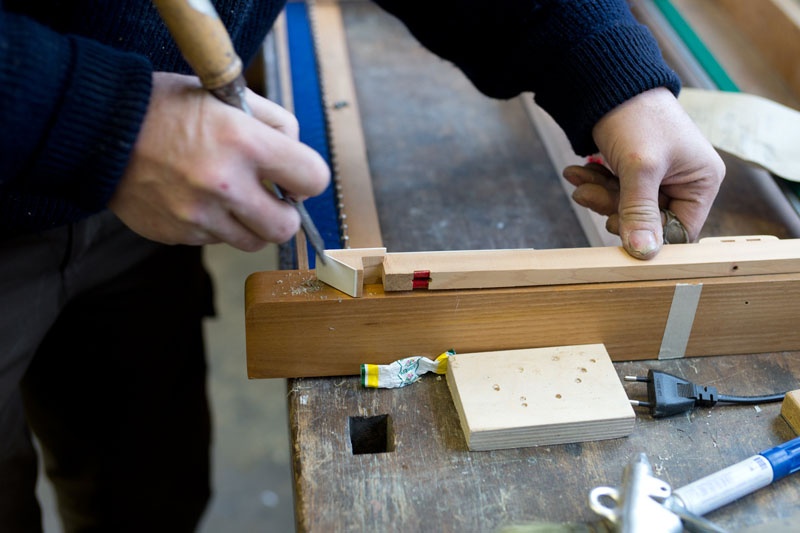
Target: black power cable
(669, 395)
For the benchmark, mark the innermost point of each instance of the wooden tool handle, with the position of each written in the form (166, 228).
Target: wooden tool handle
(202, 39)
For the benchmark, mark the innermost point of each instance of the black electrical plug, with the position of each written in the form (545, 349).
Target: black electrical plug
(669, 395)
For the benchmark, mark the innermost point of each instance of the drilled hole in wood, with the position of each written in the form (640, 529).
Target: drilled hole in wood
(371, 434)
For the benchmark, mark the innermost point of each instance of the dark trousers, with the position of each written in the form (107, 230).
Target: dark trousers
(101, 355)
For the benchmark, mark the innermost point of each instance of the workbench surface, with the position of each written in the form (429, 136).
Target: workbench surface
(454, 170)
(430, 481)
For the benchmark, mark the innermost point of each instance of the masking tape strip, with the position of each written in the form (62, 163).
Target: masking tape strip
(680, 320)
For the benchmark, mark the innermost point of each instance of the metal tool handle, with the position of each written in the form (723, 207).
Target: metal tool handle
(202, 39)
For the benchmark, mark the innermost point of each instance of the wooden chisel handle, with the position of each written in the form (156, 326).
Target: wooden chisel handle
(203, 40)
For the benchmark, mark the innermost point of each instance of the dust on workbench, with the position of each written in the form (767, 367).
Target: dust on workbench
(297, 283)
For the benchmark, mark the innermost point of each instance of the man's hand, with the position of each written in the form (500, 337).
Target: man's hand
(196, 172)
(657, 159)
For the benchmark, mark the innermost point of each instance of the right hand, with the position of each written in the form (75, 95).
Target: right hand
(656, 159)
(195, 174)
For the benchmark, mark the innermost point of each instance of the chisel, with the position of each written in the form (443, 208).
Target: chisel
(205, 44)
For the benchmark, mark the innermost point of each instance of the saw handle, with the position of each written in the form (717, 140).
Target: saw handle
(203, 40)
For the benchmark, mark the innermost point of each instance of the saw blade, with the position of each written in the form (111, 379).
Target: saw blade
(358, 216)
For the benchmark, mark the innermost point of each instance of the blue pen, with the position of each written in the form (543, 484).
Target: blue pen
(723, 487)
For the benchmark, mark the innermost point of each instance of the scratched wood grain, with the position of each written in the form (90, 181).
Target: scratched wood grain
(431, 482)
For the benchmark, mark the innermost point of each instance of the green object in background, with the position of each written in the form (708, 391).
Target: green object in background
(717, 74)
(696, 46)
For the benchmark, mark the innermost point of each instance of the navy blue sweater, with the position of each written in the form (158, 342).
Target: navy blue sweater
(75, 79)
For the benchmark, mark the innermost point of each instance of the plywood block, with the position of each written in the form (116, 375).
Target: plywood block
(534, 397)
(790, 410)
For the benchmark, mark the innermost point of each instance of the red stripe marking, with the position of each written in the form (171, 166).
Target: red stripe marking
(421, 279)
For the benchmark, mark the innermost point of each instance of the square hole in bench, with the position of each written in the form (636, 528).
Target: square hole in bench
(371, 434)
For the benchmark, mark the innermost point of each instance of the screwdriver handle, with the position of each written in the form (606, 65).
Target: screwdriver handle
(203, 40)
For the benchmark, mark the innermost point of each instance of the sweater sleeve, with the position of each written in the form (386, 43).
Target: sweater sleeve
(70, 112)
(580, 58)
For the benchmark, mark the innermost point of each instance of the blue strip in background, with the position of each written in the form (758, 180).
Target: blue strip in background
(308, 108)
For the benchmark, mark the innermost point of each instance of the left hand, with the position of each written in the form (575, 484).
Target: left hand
(657, 159)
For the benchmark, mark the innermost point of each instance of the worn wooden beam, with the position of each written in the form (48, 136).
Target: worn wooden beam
(297, 326)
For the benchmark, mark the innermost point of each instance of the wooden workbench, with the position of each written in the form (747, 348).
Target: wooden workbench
(454, 170)
(431, 482)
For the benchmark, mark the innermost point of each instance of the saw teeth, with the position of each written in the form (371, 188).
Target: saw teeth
(327, 107)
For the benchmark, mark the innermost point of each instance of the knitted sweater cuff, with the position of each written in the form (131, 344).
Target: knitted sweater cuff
(105, 98)
(599, 74)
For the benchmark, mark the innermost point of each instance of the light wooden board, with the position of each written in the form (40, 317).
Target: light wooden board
(518, 268)
(475, 269)
(350, 269)
(790, 410)
(534, 397)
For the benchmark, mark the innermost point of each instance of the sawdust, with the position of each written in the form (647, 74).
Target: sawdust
(297, 284)
(309, 285)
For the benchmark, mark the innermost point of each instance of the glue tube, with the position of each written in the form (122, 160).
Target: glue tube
(402, 372)
(723, 487)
